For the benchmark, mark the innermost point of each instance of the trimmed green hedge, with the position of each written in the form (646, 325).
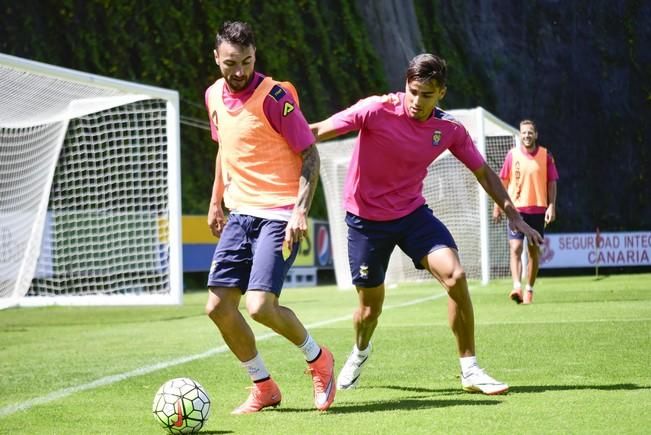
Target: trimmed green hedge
(321, 47)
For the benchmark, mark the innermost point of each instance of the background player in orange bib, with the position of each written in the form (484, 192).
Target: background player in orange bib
(529, 174)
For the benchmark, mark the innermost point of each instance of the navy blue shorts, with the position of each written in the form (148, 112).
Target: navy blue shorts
(535, 221)
(249, 255)
(370, 243)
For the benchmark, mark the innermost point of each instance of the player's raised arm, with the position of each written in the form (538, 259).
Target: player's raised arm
(324, 130)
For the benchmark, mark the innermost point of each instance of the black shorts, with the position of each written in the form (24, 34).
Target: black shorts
(535, 221)
(370, 243)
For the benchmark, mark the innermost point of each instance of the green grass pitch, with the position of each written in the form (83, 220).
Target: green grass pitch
(577, 361)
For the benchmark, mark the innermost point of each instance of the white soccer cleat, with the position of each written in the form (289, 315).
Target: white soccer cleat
(478, 381)
(349, 375)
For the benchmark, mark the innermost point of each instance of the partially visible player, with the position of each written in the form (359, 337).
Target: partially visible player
(529, 174)
(400, 135)
(266, 172)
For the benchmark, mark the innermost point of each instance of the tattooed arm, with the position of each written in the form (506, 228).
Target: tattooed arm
(297, 225)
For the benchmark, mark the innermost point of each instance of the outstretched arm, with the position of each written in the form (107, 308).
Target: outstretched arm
(493, 186)
(497, 211)
(324, 130)
(297, 225)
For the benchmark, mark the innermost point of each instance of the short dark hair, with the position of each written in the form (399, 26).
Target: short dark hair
(237, 33)
(426, 67)
(529, 122)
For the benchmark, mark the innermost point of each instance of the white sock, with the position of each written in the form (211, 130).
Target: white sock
(310, 348)
(467, 363)
(517, 285)
(256, 369)
(528, 288)
(364, 352)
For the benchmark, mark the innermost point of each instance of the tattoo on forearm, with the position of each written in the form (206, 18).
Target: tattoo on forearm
(309, 178)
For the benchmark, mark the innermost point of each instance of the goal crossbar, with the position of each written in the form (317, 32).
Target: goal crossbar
(89, 189)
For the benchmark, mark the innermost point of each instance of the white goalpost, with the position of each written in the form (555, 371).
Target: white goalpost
(452, 192)
(90, 207)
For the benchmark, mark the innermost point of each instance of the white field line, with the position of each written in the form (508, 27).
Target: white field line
(108, 380)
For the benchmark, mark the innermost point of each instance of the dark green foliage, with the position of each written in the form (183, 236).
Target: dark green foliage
(466, 79)
(321, 47)
(582, 70)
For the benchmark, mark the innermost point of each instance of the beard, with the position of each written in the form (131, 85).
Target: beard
(238, 85)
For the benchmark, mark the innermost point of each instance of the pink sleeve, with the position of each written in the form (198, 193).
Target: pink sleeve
(552, 173)
(213, 127)
(286, 118)
(465, 150)
(505, 173)
(354, 117)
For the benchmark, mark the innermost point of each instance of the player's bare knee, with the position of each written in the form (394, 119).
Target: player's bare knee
(260, 312)
(211, 305)
(219, 306)
(217, 311)
(209, 308)
(456, 279)
(517, 251)
(369, 313)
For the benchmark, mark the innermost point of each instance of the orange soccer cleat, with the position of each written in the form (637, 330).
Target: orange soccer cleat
(516, 295)
(322, 371)
(262, 395)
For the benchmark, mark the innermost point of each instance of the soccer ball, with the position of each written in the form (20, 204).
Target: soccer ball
(181, 405)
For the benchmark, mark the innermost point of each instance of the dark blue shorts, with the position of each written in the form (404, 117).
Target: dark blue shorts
(370, 243)
(249, 255)
(535, 221)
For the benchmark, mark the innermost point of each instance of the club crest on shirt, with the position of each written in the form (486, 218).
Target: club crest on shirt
(436, 137)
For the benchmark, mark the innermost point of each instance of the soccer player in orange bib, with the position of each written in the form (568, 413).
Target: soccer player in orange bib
(529, 174)
(266, 172)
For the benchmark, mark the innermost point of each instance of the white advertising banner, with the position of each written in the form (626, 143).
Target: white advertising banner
(616, 249)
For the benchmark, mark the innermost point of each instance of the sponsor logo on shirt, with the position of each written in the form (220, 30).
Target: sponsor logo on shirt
(277, 92)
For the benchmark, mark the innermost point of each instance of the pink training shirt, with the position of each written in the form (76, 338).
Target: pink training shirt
(294, 129)
(392, 154)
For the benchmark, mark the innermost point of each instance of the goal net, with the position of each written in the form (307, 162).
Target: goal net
(450, 190)
(89, 189)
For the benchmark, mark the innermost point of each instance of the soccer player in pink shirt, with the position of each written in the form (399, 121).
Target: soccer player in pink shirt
(529, 174)
(266, 171)
(400, 135)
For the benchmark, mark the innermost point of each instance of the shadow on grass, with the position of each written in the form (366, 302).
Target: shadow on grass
(392, 405)
(520, 388)
(417, 403)
(411, 403)
(419, 389)
(543, 388)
